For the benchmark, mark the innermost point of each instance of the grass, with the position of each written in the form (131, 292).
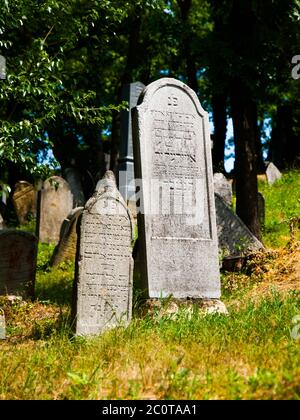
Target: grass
(282, 204)
(249, 354)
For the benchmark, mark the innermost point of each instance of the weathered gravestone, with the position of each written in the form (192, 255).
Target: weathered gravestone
(104, 265)
(130, 93)
(66, 248)
(273, 173)
(18, 252)
(25, 201)
(234, 237)
(177, 222)
(55, 203)
(261, 209)
(223, 187)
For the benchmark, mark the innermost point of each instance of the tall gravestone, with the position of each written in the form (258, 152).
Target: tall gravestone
(18, 252)
(25, 201)
(104, 265)
(55, 203)
(66, 248)
(176, 219)
(130, 93)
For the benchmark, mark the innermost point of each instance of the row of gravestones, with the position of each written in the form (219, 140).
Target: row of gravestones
(178, 252)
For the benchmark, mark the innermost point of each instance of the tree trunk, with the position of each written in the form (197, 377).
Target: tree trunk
(131, 63)
(244, 113)
(191, 69)
(220, 127)
(284, 147)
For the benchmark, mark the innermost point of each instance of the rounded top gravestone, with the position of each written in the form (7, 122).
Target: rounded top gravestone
(56, 202)
(104, 265)
(177, 222)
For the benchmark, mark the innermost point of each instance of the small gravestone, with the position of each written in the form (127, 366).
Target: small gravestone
(261, 209)
(25, 201)
(223, 187)
(55, 203)
(130, 93)
(104, 265)
(176, 219)
(273, 174)
(234, 237)
(18, 252)
(66, 248)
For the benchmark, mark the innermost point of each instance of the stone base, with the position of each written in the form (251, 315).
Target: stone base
(171, 307)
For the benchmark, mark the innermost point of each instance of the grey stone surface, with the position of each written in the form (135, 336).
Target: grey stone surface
(273, 173)
(2, 224)
(234, 237)
(261, 209)
(177, 224)
(65, 250)
(130, 93)
(223, 187)
(55, 203)
(72, 176)
(18, 252)
(25, 201)
(104, 264)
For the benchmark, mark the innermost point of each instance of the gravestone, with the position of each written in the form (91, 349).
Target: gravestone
(234, 237)
(18, 252)
(273, 173)
(66, 248)
(1, 222)
(176, 218)
(130, 93)
(104, 265)
(55, 203)
(72, 176)
(223, 187)
(25, 201)
(261, 209)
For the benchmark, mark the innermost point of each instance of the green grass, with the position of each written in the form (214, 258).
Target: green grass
(282, 204)
(249, 354)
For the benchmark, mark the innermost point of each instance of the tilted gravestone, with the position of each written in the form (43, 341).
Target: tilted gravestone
(273, 173)
(261, 209)
(18, 252)
(104, 265)
(55, 203)
(130, 93)
(66, 248)
(25, 201)
(176, 219)
(223, 187)
(234, 237)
